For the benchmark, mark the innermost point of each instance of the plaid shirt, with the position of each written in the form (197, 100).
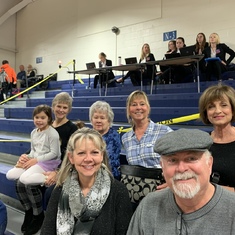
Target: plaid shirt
(140, 152)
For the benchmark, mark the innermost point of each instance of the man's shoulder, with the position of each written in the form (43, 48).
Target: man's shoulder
(227, 195)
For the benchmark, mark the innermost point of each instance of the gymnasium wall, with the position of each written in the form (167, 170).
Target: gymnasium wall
(65, 30)
(8, 40)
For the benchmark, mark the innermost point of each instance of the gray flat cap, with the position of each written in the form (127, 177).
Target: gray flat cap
(183, 140)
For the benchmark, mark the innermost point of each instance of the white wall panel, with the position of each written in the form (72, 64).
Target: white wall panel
(72, 29)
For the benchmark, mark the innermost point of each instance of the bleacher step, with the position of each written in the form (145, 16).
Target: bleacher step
(37, 94)
(7, 158)
(1, 112)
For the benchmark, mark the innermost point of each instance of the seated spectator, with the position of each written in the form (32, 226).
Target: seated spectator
(148, 73)
(217, 108)
(103, 76)
(171, 50)
(10, 79)
(31, 75)
(218, 51)
(177, 74)
(171, 47)
(61, 107)
(29, 171)
(138, 143)
(200, 46)
(180, 43)
(87, 199)
(101, 117)
(30, 71)
(3, 218)
(190, 199)
(201, 43)
(21, 76)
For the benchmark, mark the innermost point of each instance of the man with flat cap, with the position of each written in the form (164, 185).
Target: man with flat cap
(190, 204)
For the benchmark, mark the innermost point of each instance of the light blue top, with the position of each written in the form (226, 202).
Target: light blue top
(140, 152)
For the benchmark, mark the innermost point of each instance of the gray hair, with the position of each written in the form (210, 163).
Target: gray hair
(63, 97)
(77, 137)
(104, 107)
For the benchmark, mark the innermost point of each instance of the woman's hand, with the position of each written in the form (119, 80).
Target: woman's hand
(162, 186)
(50, 177)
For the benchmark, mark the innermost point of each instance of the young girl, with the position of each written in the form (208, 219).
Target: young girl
(45, 151)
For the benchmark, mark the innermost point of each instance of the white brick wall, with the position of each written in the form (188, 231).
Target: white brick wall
(56, 31)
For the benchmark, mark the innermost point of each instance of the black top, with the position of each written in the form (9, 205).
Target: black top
(197, 51)
(224, 162)
(31, 74)
(149, 68)
(21, 75)
(110, 73)
(114, 217)
(65, 131)
(221, 51)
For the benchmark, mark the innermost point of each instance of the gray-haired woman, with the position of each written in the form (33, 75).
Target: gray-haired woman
(101, 117)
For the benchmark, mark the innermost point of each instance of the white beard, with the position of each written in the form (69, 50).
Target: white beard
(185, 190)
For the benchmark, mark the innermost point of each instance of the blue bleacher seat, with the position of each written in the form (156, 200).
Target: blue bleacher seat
(15, 148)
(156, 100)
(7, 186)
(17, 125)
(82, 113)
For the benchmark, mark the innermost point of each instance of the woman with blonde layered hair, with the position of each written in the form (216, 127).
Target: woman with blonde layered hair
(86, 194)
(147, 73)
(138, 143)
(215, 57)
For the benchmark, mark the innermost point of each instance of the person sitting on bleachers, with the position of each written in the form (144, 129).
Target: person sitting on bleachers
(171, 47)
(30, 71)
(148, 73)
(200, 46)
(61, 107)
(143, 173)
(216, 52)
(87, 199)
(103, 76)
(31, 75)
(171, 50)
(3, 218)
(217, 108)
(176, 74)
(191, 204)
(44, 156)
(21, 76)
(101, 117)
(201, 43)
